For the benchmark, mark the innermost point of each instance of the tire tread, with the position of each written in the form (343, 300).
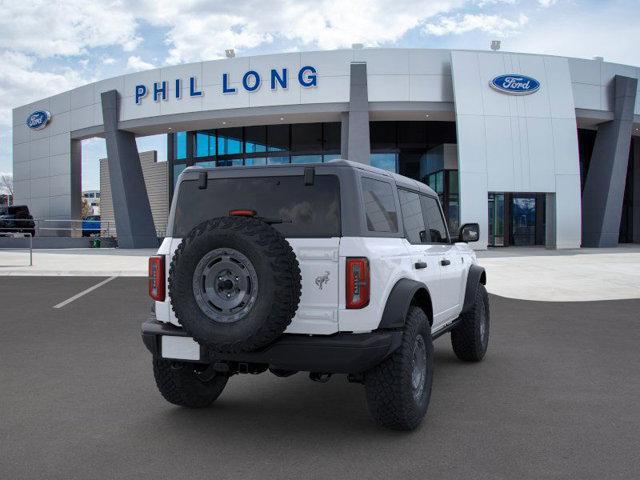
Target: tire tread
(465, 337)
(182, 387)
(389, 396)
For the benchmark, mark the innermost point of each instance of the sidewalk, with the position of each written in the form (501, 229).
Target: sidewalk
(522, 273)
(584, 274)
(89, 262)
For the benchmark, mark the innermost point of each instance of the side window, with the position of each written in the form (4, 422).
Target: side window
(412, 217)
(379, 206)
(437, 232)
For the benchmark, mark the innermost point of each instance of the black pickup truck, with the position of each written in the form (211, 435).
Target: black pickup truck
(17, 219)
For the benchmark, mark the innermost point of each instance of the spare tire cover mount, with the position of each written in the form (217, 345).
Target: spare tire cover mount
(234, 284)
(225, 285)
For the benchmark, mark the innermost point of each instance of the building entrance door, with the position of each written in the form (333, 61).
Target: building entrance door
(496, 220)
(523, 220)
(516, 219)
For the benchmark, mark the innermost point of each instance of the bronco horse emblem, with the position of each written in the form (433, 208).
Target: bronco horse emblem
(322, 279)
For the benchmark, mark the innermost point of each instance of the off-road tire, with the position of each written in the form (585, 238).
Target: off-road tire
(468, 339)
(388, 386)
(278, 275)
(179, 384)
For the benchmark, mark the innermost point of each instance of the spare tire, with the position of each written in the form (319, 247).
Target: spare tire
(234, 284)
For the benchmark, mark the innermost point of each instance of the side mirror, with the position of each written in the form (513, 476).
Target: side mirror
(469, 232)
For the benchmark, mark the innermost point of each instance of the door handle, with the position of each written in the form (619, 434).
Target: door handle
(420, 265)
(444, 262)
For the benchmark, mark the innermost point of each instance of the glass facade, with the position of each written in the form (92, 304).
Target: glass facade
(385, 161)
(403, 147)
(408, 148)
(205, 144)
(180, 146)
(256, 145)
(178, 168)
(396, 146)
(445, 184)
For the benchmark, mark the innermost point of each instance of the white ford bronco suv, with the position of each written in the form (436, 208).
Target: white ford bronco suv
(333, 268)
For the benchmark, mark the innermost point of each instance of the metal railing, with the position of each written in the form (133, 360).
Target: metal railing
(45, 227)
(21, 235)
(73, 228)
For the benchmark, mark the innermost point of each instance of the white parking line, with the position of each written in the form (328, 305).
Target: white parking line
(83, 293)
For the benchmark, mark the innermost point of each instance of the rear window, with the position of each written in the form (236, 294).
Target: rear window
(306, 210)
(412, 217)
(20, 210)
(433, 219)
(379, 206)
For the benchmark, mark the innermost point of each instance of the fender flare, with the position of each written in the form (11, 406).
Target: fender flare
(476, 276)
(399, 301)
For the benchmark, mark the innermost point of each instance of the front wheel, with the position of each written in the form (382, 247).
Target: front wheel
(470, 338)
(180, 384)
(399, 389)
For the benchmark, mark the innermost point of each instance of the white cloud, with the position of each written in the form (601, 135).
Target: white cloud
(547, 3)
(6, 147)
(46, 28)
(203, 29)
(484, 3)
(587, 37)
(108, 61)
(20, 83)
(491, 24)
(136, 63)
(324, 24)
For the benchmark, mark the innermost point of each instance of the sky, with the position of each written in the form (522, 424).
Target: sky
(47, 47)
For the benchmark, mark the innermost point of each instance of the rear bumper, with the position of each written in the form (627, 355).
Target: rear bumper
(338, 353)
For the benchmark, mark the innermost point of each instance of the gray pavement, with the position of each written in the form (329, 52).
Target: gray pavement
(556, 397)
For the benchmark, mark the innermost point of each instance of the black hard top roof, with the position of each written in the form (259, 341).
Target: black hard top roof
(229, 172)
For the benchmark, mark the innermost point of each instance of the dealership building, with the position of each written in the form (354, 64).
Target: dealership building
(537, 149)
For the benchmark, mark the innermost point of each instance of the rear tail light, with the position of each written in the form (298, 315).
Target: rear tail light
(156, 278)
(358, 286)
(242, 213)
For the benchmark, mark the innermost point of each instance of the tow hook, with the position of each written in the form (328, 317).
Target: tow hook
(212, 370)
(320, 377)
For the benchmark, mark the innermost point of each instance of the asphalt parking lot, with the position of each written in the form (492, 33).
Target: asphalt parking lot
(558, 396)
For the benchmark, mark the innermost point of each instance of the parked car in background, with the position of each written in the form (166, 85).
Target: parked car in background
(91, 225)
(17, 219)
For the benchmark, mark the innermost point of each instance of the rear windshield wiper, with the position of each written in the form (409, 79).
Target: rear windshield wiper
(245, 212)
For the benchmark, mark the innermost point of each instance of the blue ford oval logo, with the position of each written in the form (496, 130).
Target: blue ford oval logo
(515, 84)
(38, 119)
